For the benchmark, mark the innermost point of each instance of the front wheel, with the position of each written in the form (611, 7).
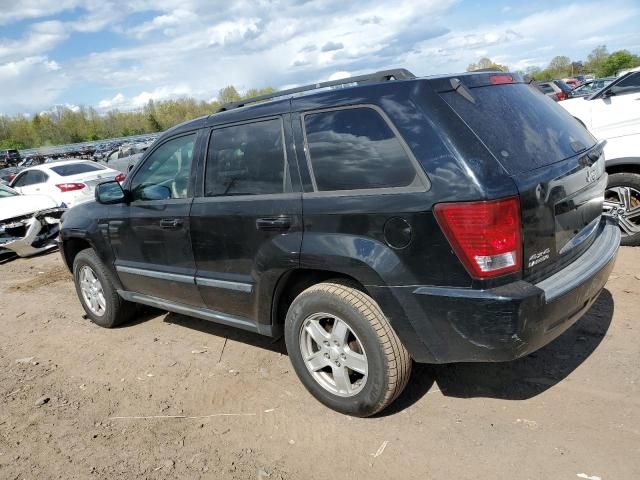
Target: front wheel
(624, 189)
(97, 292)
(344, 350)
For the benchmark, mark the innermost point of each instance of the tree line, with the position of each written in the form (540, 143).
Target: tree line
(599, 62)
(63, 125)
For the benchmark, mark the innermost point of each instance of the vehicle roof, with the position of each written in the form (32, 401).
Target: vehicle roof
(49, 166)
(324, 97)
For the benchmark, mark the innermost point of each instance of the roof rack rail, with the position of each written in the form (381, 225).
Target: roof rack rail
(377, 77)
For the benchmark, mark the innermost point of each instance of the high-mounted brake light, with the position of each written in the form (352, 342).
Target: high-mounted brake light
(120, 177)
(70, 187)
(485, 235)
(500, 79)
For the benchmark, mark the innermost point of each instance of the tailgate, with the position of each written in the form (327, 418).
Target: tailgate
(561, 207)
(555, 162)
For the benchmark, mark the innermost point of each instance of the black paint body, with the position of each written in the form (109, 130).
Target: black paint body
(219, 265)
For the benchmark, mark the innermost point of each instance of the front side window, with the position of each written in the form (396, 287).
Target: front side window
(247, 159)
(355, 149)
(165, 174)
(631, 84)
(32, 177)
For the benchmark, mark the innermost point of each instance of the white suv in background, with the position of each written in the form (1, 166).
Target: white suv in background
(613, 114)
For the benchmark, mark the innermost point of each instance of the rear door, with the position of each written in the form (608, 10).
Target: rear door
(554, 161)
(246, 226)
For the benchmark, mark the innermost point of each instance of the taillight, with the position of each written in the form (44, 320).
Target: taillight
(11, 177)
(560, 95)
(120, 177)
(70, 187)
(485, 235)
(500, 79)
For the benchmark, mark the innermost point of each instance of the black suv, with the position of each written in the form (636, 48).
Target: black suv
(445, 219)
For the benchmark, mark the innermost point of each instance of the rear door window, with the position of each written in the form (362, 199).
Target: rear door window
(523, 130)
(247, 159)
(355, 149)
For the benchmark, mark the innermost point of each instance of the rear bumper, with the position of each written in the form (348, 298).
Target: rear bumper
(442, 325)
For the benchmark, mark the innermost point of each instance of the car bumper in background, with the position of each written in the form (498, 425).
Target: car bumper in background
(504, 323)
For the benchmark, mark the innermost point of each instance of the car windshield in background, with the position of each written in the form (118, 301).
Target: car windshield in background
(7, 192)
(76, 168)
(522, 129)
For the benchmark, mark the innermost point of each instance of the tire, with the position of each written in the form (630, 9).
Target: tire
(631, 181)
(370, 342)
(112, 309)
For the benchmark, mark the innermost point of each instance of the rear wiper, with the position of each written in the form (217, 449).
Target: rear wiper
(461, 89)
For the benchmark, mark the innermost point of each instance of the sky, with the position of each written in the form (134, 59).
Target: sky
(119, 54)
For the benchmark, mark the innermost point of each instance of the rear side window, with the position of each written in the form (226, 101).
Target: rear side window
(546, 88)
(76, 168)
(355, 149)
(522, 129)
(247, 159)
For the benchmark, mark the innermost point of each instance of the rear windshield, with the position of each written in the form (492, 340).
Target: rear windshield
(76, 168)
(521, 127)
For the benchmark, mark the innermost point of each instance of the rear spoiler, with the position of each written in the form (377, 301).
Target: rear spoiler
(474, 79)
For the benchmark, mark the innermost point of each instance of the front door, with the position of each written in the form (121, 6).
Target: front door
(246, 227)
(150, 235)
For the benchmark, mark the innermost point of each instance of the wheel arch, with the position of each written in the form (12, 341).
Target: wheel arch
(623, 165)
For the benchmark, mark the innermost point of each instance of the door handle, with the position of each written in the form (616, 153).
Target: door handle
(170, 223)
(274, 224)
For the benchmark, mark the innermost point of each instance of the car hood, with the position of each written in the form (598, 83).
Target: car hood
(20, 205)
(578, 107)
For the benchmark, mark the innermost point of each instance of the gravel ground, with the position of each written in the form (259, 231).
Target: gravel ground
(168, 396)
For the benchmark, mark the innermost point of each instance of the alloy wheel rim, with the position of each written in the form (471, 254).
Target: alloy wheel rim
(92, 291)
(628, 199)
(333, 354)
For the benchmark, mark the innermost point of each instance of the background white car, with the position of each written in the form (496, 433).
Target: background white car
(613, 114)
(69, 182)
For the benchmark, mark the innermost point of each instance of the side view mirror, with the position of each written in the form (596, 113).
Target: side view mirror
(109, 193)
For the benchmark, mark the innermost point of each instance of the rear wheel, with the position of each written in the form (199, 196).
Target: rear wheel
(624, 189)
(344, 350)
(97, 293)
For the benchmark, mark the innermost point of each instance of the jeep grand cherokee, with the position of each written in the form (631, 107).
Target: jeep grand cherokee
(397, 219)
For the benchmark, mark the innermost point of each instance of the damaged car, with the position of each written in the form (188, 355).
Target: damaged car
(29, 224)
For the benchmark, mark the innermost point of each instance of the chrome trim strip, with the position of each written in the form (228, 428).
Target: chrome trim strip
(603, 250)
(176, 277)
(227, 284)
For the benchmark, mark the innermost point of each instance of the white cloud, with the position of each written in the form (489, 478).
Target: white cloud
(30, 83)
(39, 39)
(110, 103)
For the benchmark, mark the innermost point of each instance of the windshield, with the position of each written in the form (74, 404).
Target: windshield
(7, 192)
(522, 128)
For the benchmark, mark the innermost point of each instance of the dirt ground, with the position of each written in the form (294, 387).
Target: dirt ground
(172, 397)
